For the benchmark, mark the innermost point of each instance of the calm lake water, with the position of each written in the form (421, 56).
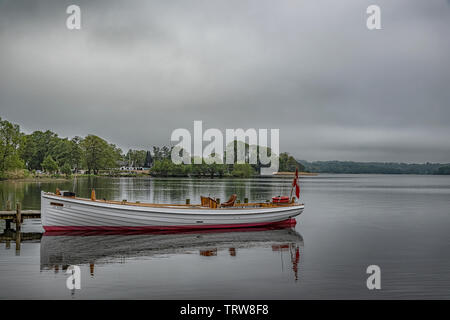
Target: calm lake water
(398, 222)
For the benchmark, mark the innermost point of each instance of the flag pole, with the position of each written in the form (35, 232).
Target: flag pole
(294, 183)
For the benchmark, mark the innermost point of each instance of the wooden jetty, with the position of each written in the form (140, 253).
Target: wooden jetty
(17, 216)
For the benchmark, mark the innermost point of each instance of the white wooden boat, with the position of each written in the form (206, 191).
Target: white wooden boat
(60, 212)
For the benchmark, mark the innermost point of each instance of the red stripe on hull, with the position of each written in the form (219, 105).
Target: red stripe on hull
(286, 223)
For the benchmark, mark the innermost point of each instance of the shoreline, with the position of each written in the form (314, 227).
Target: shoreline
(283, 175)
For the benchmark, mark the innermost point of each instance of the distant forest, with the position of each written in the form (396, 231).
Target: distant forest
(375, 167)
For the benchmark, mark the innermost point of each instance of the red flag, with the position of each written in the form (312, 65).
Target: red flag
(295, 184)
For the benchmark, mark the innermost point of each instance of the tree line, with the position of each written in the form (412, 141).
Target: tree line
(163, 165)
(46, 151)
(375, 167)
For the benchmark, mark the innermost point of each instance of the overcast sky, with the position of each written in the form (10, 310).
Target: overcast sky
(137, 70)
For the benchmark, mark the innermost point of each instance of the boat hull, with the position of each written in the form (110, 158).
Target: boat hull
(63, 214)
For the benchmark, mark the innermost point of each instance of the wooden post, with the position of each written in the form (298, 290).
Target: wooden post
(8, 222)
(18, 240)
(18, 218)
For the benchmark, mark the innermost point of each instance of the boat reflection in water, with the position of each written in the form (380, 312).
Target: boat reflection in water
(62, 249)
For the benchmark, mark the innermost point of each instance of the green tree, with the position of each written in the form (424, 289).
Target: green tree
(61, 151)
(49, 165)
(136, 158)
(212, 166)
(198, 169)
(157, 154)
(162, 168)
(66, 170)
(161, 153)
(11, 140)
(166, 168)
(98, 154)
(148, 159)
(288, 163)
(27, 151)
(251, 152)
(243, 170)
(76, 153)
(115, 155)
(36, 147)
